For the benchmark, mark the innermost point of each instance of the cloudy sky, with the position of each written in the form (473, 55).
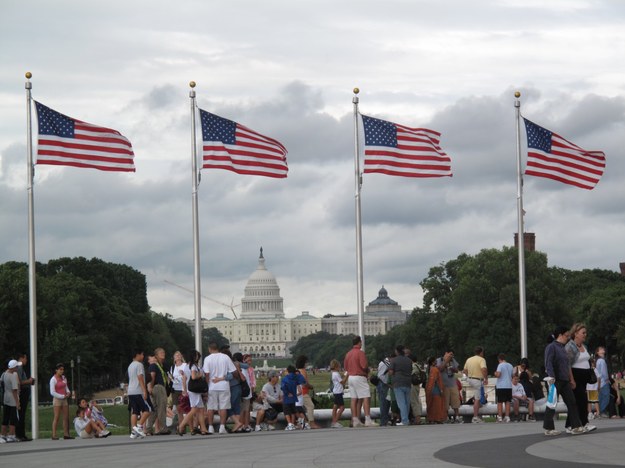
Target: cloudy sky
(287, 69)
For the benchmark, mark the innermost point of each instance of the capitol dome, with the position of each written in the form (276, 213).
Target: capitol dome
(262, 294)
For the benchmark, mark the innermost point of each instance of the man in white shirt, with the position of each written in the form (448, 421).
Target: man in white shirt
(216, 368)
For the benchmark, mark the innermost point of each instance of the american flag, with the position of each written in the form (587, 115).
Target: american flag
(551, 156)
(64, 141)
(233, 147)
(397, 150)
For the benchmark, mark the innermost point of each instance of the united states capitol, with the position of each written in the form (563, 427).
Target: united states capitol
(262, 329)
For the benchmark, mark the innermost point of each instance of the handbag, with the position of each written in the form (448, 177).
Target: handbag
(246, 391)
(592, 377)
(198, 385)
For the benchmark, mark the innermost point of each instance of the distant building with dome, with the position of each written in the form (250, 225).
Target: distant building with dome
(263, 331)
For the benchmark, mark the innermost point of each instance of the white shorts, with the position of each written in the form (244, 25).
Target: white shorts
(218, 400)
(358, 386)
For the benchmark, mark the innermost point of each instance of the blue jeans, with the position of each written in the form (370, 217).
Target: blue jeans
(604, 398)
(402, 396)
(385, 405)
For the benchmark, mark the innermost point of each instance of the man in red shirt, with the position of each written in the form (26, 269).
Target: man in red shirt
(357, 368)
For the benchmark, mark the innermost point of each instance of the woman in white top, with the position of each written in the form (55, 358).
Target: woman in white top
(194, 371)
(59, 390)
(177, 374)
(579, 359)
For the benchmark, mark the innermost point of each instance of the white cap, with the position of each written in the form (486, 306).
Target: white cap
(13, 364)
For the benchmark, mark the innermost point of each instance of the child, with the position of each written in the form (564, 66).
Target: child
(338, 383)
(519, 398)
(87, 428)
(300, 412)
(289, 386)
(592, 390)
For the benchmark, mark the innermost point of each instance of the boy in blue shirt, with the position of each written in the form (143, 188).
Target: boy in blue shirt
(289, 386)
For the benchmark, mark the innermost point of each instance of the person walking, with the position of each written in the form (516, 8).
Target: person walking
(401, 373)
(559, 374)
(579, 360)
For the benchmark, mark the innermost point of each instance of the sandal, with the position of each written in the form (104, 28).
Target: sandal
(205, 433)
(179, 432)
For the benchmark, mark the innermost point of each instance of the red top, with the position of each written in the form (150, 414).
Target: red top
(356, 362)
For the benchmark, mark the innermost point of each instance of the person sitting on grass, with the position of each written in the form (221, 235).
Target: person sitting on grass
(87, 428)
(519, 398)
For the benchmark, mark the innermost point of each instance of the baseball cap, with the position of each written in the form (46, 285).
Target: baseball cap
(13, 364)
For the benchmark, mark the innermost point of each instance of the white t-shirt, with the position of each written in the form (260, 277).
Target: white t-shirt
(177, 375)
(80, 424)
(518, 390)
(135, 369)
(217, 365)
(582, 360)
(337, 386)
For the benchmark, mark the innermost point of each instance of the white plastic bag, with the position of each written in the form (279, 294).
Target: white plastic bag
(552, 397)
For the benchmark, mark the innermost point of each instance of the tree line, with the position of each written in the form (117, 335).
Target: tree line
(474, 300)
(89, 308)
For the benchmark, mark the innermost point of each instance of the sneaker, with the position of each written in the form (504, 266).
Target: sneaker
(506, 419)
(589, 428)
(499, 419)
(306, 426)
(568, 430)
(258, 428)
(459, 420)
(290, 427)
(211, 429)
(578, 430)
(2, 440)
(133, 436)
(552, 432)
(336, 425)
(531, 418)
(399, 424)
(222, 429)
(476, 420)
(301, 422)
(11, 438)
(370, 423)
(139, 431)
(356, 422)
(271, 427)
(591, 416)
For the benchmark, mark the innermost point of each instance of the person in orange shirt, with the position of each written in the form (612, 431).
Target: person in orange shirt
(357, 367)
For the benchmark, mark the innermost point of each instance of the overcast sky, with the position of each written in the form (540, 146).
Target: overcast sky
(287, 70)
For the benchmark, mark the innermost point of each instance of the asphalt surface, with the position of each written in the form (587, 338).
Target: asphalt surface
(447, 445)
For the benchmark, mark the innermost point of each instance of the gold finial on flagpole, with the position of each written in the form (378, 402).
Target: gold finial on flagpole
(356, 90)
(192, 84)
(28, 75)
(517, 94)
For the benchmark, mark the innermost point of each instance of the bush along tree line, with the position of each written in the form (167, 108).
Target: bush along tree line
(88, 308)
(474, 300)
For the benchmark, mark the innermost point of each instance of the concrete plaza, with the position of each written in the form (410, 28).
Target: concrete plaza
(476, 445)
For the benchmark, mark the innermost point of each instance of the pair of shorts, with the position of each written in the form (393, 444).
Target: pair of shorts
(503, 395)
(289, 408)
(475, 387)
(85, 435)
(451, 397)
(358, 386)
(593, 396)
(60, 402)
(338, 399)
(218, 400)
(9, 416)
(138, 405)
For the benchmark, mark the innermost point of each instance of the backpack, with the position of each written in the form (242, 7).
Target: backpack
(418, 376)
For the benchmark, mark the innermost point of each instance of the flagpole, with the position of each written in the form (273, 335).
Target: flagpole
(32, 275)
(197, 297)
(521, 230)
(358, 185)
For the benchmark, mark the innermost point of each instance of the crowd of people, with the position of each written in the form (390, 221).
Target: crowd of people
(185, 398)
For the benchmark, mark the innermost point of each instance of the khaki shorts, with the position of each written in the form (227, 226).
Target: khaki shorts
(358, 387)
(218, 400)
(60, 402)
(451, 397)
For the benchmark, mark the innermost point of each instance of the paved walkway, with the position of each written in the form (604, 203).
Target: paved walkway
(476, 445)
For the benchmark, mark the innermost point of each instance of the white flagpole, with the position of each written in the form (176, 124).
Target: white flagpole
(197, 298)
(32, 275)
(358, 185)
(521, 230)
